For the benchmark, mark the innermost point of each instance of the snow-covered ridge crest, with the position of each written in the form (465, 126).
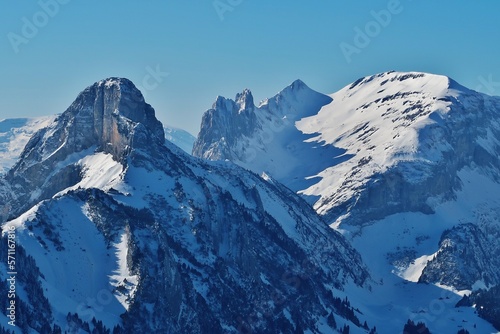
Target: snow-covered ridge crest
(396, 127)
(379, 121)
(385, 110)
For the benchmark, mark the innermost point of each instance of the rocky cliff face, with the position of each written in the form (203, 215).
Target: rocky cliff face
(467, 259)
(224, 124)
(109, 114)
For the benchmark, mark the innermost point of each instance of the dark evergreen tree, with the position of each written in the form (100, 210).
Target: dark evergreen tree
(56, 330)
(331, 321)
(118, 330)
(412, 328)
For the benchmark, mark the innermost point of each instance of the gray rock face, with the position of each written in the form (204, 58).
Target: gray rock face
(224, 124)
(469, 254)
(110, 116)
(105, 115)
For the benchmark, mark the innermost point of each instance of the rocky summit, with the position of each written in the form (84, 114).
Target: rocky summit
(110, 116)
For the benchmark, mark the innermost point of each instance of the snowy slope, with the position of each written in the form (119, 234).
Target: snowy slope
(72, 256)
(180, 137)
(377, 121)
(400, 128)
(14, 134)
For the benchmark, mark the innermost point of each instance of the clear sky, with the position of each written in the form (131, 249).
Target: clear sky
(51, 50)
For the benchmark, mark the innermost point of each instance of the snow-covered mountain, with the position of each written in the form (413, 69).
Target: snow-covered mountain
(116, 228)
(263, 138)
(402, 124)
(14, 134)
(407, 165)
(180, 137)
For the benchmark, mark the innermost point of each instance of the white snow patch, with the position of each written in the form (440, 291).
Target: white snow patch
(414, 270)
(99, 170)
(123, 280)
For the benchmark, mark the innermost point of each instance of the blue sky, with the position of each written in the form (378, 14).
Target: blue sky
(184, 53)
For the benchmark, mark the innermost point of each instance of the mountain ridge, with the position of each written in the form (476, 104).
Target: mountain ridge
(104, 207)
(387, 134)
(393, 161)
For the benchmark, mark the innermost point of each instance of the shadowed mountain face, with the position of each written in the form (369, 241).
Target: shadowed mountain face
(104, 209)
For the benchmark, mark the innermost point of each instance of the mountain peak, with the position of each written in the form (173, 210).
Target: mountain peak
(116, 111)
(294, 88)
(110, 115)
(297, 84)
(297, 90)
(245, 99)
(115, 81)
